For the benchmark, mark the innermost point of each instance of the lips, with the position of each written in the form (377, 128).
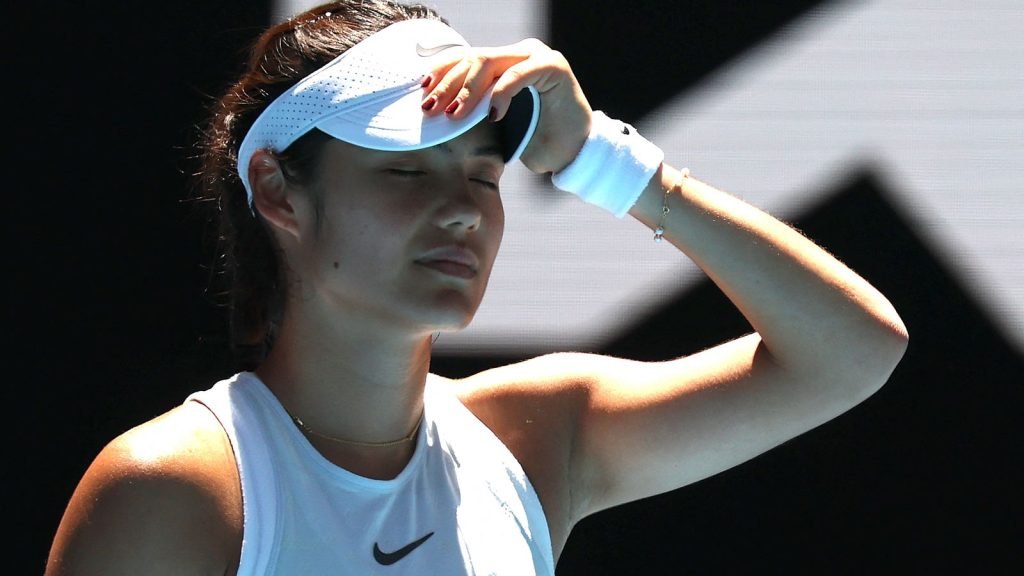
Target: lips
(451, 261)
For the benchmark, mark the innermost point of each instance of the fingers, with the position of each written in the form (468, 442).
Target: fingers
(461, 88)
(455, 88)
(442, 86)
(546, 70)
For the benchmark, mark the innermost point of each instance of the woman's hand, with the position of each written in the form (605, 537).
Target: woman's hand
(456, 88)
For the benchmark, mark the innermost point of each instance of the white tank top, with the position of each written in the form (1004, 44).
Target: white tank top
(462, 505)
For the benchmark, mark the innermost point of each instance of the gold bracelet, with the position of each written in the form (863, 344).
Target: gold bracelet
(659, 232)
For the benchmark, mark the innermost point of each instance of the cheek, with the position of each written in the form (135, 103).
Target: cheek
(496, 219)
(362, 238)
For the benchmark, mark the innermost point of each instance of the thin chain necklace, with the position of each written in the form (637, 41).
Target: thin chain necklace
(310, 432)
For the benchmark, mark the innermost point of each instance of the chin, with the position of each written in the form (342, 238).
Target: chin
(451, 318)
(447, 310)
(453, 323)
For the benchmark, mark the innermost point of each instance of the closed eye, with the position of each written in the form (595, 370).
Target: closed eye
(405, 172)
(486, 183)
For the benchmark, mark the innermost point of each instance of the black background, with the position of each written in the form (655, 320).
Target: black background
(111, 325)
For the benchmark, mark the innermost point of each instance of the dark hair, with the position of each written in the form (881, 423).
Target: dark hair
(248, 259)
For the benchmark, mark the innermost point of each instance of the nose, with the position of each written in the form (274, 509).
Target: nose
(460, 209)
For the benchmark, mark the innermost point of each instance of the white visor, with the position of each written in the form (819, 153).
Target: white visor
(371, 96)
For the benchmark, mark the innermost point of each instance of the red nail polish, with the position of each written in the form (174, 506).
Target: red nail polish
(426, 82)
(428, 104)
(452, 107)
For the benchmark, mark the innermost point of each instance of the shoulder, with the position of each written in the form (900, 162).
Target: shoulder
(534, 408)
(560, 380)
(524, 391)
(161, 497)
(555, 373)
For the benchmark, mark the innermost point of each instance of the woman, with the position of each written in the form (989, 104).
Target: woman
(355, 166)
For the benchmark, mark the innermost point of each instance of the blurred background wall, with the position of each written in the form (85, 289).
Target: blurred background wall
(890, 132)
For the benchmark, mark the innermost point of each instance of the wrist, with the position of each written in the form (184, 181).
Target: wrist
(613, 166)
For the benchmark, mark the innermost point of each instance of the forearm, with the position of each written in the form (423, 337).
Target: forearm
(811, 311)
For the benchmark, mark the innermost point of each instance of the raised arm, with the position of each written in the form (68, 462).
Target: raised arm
(812, 313)
(824, 341)
(824, 338)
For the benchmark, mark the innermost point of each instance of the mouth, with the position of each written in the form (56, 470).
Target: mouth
(455, 261)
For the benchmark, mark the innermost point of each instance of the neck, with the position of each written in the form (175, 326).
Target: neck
(358, 381)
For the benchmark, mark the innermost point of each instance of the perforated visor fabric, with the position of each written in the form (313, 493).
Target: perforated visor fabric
(371, 96)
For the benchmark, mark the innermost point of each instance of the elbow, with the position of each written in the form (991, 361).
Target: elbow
(901, 337)
(849, 357)
(859, 356)
(892, 347)
(879, 340)
(873, 359)
(893, 341)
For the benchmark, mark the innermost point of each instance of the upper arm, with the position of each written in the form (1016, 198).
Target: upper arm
(647, 428)
(160, 499)
(595, 431)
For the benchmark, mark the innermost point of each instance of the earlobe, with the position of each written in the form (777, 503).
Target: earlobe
(270, 194)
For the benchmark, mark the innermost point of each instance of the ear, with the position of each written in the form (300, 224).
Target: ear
(271, 195)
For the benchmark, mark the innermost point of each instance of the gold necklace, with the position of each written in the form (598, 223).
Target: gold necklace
(409, 438)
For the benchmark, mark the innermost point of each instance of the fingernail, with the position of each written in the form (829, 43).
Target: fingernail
(492, 115)
(426, 82)
(452, 107)
(428, 104)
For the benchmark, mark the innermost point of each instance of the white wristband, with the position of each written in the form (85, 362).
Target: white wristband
(613, 167)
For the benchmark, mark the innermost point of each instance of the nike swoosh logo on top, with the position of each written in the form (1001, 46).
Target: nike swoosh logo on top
(425, 52)
(389, 558)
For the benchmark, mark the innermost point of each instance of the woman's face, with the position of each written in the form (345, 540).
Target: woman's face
(406, 237)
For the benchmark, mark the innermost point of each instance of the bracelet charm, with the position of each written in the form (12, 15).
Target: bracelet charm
(659, 231)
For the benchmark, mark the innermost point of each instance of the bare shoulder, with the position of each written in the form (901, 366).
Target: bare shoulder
(545, 375)
(532, 394)
(161, 498)
(533, 407)
(559, 381)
